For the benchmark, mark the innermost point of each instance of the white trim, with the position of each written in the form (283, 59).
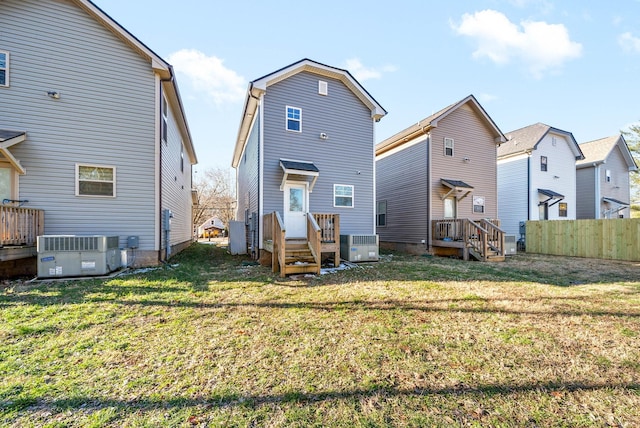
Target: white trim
(353, 196)
(286, 119)
(406, 145)
(260, 168)
(6, 69)
(323, 87)
(157, 167)
(89, 165)
(446, 146)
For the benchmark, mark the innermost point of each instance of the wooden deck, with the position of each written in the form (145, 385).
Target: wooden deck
(481, 239)
(291, 256)
(19, 230)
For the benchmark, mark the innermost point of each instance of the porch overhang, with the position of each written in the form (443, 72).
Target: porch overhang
(456, 187)
(551, 196)
(615, 204)
(10, 138)
(300, 171)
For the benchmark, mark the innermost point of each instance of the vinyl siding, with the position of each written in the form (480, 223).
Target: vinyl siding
(586, 193)
(512, 194)
(346, 157)
(106, 115)
(619, 187)
(248, 173)
(401, 180)
(559, 177)
(176, 184)
(473, 140)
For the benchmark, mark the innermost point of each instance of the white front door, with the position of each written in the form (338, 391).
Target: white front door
(295, 210)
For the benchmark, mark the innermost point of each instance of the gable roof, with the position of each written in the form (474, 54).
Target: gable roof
(597, 152)
(259, 86)
(159, 66)
(426, 124)
(525, 140)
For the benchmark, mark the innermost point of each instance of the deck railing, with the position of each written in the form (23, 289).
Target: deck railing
(481, 236)
(314, 239)
(329, 225)
(20, 226)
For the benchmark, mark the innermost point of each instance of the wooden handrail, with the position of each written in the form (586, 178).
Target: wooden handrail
(20, 226)
(329, 226)
(314, 240)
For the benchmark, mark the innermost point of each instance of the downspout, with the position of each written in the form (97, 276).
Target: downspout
(429, 181)
(529, 187)
(598, 212)
(160, 213)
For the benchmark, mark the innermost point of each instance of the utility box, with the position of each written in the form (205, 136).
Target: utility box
(359, 248)
(133, 241)
(67, 255)
(510, 245)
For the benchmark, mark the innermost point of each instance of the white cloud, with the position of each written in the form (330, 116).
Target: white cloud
(486, 98)
(209, 75)
(540, 46)
(629, 42)
(362, 73)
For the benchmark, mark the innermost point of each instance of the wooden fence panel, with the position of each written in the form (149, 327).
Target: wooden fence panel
(615, 239)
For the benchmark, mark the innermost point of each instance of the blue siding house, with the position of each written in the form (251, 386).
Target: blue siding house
(304, 159)
(93, 134)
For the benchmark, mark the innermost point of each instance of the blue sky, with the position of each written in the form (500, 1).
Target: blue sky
(574, 65)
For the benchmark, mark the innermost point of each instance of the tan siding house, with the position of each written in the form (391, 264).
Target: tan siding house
(442, 168)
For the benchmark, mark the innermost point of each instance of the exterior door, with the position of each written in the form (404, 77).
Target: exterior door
(543, 212)
(295, 209)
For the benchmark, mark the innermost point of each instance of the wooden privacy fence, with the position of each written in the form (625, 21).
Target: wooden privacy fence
(615, 239)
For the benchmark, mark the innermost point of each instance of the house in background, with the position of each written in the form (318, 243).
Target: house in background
(603, 188)
(211, 228)
(93, 134)
(536, 176)
(436, 185)
(304, 161)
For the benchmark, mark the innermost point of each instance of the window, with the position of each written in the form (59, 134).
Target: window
(323, 87)
(543, 163)
(381, 213)
(562, 209)
(294, 119)
(182, 157)
(607, 174)
(343, 195)
(6, 182)
(165, 119)
(478, 204)
(4, 68)
(448, 146)
(95, 180)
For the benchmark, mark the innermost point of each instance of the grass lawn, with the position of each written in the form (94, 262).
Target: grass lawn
(536, 341)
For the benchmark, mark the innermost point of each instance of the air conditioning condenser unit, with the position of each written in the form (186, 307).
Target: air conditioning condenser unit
(359, 248)
(510, 245)
(70, 255)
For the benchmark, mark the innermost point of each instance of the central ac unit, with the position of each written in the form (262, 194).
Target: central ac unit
(68, 255)
(510, 245)
(359, 248)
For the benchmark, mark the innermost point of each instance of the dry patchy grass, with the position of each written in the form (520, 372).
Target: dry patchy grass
(410, 341)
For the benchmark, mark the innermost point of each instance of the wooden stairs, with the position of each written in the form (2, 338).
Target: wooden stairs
(299, 258)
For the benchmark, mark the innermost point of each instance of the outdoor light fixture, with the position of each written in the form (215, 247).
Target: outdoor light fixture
(53, 94)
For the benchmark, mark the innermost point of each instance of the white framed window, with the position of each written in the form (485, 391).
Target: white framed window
(478, 204)
(323, 87)
(343, 195)
(95, 180)
(607, 175)
(165, 120)
(4, 68)
(7, 182)
(381, 213)
(294, 119)
(543, 163)
(448, 147)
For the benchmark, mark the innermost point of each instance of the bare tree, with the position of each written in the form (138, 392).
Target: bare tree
(216, 196)
(632, 136)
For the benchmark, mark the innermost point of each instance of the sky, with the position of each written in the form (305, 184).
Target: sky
(573, 65)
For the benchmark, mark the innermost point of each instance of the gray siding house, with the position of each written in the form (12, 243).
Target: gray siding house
(536, 176)
(93, 133)
(603, 188)
(436, 181)
(305, 145)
